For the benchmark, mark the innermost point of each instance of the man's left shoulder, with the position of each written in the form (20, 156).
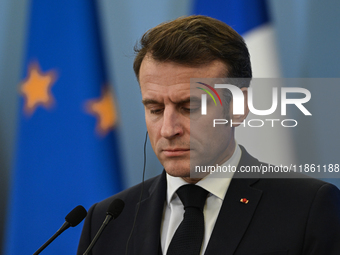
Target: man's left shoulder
(277, 178)
(299, 186)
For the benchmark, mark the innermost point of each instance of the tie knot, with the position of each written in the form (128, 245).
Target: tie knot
(192, 196)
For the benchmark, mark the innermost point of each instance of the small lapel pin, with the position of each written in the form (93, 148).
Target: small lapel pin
(244, 201)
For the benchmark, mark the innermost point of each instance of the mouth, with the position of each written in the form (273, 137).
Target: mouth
(175, 152)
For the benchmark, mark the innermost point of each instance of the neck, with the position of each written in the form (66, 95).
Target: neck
(192, 180)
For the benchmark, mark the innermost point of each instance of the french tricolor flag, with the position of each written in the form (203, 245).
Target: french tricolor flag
(251, 19)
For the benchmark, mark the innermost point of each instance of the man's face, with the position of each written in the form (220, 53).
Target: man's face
(165, 88)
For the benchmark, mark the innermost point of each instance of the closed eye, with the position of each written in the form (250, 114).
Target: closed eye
(156, 111)
(190, 110)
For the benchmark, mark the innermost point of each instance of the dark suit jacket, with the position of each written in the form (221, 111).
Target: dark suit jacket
(283, 216)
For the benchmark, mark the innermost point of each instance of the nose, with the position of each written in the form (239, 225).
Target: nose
(171, 126)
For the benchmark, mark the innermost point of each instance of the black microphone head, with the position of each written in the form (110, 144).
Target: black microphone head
(76, 216)
(115, 208)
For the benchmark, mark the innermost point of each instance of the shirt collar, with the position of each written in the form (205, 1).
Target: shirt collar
(217, 186)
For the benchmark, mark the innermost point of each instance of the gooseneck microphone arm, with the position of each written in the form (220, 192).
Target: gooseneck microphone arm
(115, 208)
(71, 220)
(65, 226)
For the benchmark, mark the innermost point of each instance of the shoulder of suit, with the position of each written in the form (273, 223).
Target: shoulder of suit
(130, 196)
(294, 183)
(292, 180)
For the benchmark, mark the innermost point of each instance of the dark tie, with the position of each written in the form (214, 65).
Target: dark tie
(188, 237)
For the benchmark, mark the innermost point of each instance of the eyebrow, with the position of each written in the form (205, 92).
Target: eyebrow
(185, 101)
(149, 101)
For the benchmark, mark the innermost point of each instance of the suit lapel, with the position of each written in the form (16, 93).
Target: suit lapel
(235, 216)
(146, 235)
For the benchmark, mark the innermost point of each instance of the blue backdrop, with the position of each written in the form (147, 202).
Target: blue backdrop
(308, 39)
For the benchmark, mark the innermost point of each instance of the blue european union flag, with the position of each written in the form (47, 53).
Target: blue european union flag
(66, 150)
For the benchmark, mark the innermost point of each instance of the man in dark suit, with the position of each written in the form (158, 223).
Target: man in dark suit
(242, 215)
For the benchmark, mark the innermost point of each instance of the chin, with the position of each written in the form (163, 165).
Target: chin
(178, 172)
(177, 168)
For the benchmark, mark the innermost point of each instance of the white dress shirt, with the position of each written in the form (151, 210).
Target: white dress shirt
(173, 213)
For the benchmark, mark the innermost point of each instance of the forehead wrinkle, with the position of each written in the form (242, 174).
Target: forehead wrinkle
(167, 82)
(181, 101)
(178, 79)
(173, 73)
(174, 96)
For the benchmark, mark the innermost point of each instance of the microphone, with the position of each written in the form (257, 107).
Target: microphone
(114, 210)
(71, 220)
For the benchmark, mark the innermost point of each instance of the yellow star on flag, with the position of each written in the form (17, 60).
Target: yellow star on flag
(36, 88)
(105, 111)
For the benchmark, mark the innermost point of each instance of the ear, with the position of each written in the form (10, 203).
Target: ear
(238, 119)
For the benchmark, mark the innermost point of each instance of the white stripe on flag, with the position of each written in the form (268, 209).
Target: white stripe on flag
(272, 145)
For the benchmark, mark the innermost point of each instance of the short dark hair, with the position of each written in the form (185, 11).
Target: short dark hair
(194, 41)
